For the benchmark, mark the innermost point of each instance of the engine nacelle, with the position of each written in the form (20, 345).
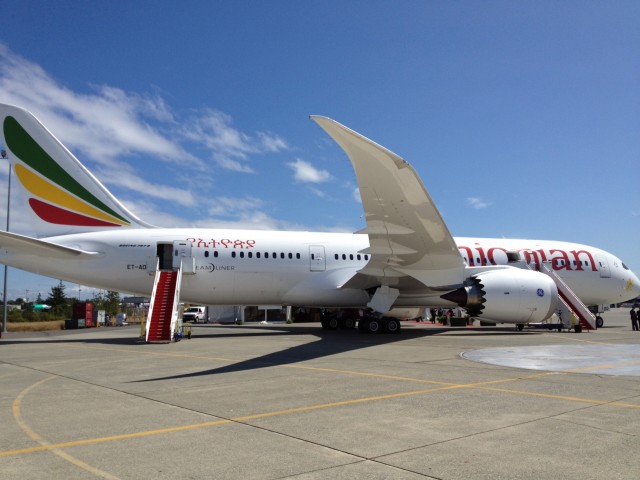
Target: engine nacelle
(509, 295)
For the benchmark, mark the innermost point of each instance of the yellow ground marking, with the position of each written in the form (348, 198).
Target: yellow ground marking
(92, 441)
(44, 444)
(561, 397)
(601, 367)
(443, 386)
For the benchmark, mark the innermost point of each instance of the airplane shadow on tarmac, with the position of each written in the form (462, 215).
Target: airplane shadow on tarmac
(328, 343)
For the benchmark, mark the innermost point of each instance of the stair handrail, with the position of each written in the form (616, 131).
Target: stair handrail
(153, 297)
(576, 303)
(176, 301)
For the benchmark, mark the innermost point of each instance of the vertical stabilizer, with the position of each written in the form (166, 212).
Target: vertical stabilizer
(64, 196)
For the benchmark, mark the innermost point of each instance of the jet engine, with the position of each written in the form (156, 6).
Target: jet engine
(508, 295)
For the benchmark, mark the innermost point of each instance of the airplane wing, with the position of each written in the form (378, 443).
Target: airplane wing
(410, 245)
(15, 244)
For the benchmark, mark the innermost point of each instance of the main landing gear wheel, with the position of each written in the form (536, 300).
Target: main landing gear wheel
(520, 326)
(330, 323)
(347, 323)
(369, 325)
(599, 322)
(379, 325)
(392, 325)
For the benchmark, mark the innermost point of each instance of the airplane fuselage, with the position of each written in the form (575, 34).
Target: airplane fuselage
(254, 267)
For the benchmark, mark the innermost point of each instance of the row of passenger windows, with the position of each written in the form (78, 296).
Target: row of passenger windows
(351, 256)
(283, 255)
(241, 254)
(562, 262)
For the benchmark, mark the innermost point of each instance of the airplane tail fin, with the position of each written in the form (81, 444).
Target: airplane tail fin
(64, 196)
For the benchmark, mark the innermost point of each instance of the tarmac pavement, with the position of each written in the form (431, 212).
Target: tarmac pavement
(295, 401)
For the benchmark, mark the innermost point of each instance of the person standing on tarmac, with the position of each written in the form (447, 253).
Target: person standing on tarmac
(634, 318)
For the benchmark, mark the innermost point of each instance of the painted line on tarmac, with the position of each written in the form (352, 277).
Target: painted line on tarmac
(561, 397)
(92, 441)
(44, 444)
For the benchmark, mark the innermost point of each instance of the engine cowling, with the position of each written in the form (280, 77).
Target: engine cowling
(509, 295)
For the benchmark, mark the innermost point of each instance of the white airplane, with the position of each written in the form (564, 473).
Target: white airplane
(404, 257)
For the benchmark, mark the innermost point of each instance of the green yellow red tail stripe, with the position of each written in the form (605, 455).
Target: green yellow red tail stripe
(62, 199)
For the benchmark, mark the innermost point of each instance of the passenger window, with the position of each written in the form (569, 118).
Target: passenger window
(215, 254)
(290, 256)
(233, 254)
(344, 257)
(351, 256)
(336, 256)
(241, 254)
(298, 256)
(206, 254)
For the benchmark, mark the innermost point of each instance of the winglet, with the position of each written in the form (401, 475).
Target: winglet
(408, 236)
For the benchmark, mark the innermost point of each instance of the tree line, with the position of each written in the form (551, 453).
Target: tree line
(61, 306)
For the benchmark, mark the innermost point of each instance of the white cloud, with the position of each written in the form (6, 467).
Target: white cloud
(101, 125)
(109, 123)
(478, 203)
(229, 146)
(225, 205)
(306, 173)
(125, 177)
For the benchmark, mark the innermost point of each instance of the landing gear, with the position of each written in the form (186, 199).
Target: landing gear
(392, 325)
(330, 323)
(599, 322)
(347, 323)
(371, 324)
(520, 326)
(333, 322)
(346, 320)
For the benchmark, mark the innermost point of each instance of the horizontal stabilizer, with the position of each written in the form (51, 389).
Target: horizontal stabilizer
(13, 243)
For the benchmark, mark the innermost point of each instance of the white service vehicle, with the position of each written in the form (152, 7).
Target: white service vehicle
(195, 314)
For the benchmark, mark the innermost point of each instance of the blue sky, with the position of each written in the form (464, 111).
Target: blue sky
(521, 117)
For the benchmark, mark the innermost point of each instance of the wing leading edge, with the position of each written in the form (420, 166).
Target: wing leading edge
(409, 243)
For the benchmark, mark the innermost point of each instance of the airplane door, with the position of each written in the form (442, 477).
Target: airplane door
(317, 259)
(181, 250)
(603, 266)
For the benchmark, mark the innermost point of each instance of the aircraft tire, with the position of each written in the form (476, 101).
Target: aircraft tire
(325, 323)
(599, 322)
(347, 323)
(577, 328)
(520, 326)
(370, 325)
(374, 326)
(333, 323)
(392, 325)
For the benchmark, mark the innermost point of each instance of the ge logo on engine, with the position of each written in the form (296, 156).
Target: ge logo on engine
(540, 292)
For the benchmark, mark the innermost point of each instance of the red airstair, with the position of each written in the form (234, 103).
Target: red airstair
(163, 308)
